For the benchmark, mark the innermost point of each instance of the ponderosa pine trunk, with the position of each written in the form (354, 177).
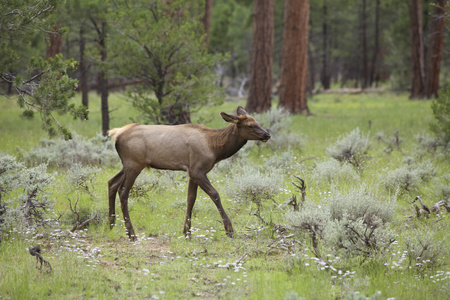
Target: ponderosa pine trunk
(417, 50)
(260, 88)
(365, 61)
(377, 44)
(294, 58)
(55, 44)
(83, 71)
(436, 48)
(101, 76)
(325, 75)
(207, 20)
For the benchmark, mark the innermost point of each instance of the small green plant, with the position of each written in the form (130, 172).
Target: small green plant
(441, 112)
(351, 148)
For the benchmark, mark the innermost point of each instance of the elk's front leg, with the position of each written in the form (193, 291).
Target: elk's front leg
(192, 195)
(206, 185)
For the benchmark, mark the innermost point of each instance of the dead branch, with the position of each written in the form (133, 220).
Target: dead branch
(36, 251)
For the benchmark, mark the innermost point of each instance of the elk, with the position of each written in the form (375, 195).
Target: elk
(192, 148)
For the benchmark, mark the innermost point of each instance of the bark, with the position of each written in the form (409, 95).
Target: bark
(377, 43)
(365, 63)
(55, 44)
(417, 50)
(325, 76)
(101, 76)
(436, 48)
(83, 71)
(260, 88)
(207, 20)
(294, 68)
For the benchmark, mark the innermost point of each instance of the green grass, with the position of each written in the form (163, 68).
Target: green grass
(164, 265)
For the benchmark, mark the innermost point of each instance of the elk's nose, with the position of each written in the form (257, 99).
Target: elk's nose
(266, 137)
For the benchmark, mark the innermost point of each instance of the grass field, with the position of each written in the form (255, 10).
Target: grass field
(259, 262)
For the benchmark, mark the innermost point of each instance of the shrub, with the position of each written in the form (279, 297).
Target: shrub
(351, 148)
(28, 199)
(441, 112)
(254, 186)
(409, 177)
(285, 160)
(276, 120)
(427, 143)
(333, 171)
(353, 223)
(82, 177)
(60, 153)
(359, 222)
(311, 220)
(424, 250)
(392, 143)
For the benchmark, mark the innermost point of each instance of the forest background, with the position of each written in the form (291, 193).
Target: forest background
(236, 47)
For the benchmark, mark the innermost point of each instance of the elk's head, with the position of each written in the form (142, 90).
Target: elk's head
(248, 127)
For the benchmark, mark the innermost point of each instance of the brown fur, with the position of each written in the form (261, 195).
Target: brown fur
(192, 148)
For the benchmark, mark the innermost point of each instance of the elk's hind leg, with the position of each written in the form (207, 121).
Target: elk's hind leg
(192, 195)
(113, 186)
(130, 175)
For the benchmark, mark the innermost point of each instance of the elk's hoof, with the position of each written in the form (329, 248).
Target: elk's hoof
(230, 234)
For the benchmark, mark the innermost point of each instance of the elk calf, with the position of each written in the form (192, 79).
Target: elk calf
(190, 147)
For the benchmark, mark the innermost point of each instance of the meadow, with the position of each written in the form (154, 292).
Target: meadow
(276, 253)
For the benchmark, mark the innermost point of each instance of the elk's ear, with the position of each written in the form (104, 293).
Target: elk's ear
(229, 118)
(241, 111)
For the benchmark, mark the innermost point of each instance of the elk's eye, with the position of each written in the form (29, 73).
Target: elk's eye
(250, 126)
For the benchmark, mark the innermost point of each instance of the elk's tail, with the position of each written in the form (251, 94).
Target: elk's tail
(115, 132)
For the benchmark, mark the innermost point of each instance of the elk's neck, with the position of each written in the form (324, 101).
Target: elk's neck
(227, 142)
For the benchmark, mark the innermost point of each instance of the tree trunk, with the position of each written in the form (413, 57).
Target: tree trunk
(260, 89)
(436, 48)
(365, 63)
(55, 44)
(207, 20)
(417, 50)
(294, 59)
(377, 43)
(325, 76)
(102, 79)
(83, 71)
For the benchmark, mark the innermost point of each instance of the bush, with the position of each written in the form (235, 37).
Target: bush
(28, 199)
(353, 223)
(359, 222)
(60, 153)
(254, 186)
(408, 178)
(424, 250)
(392, 143)
(333, 171)
(276, 120)
(351, 148)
